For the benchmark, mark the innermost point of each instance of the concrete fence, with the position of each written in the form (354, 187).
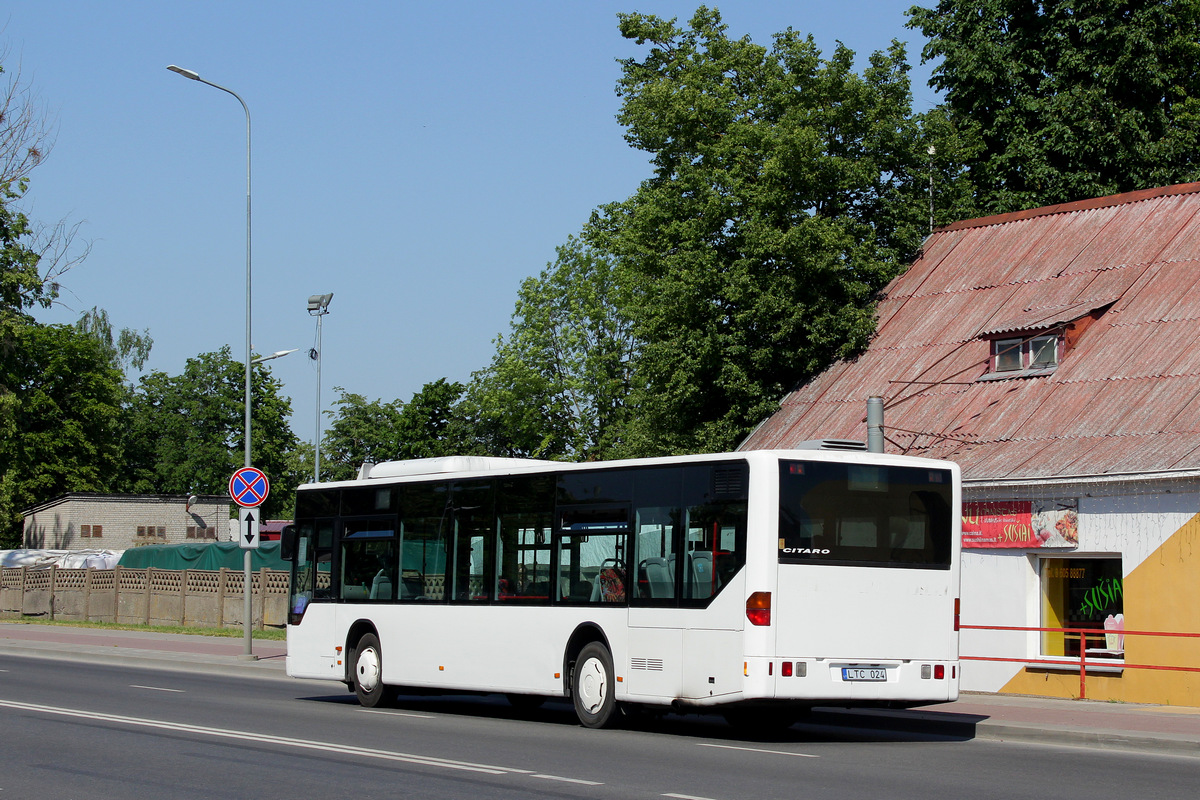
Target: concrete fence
(202, 598)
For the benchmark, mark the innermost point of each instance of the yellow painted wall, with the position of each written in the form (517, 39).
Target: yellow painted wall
(1160, 594)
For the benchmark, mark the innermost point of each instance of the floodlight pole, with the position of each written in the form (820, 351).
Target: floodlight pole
(318, 306)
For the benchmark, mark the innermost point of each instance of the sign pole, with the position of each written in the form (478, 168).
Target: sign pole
(248, 487)
(247, 610)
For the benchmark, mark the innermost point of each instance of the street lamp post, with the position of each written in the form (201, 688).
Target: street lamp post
(247, 650)
(318, 306)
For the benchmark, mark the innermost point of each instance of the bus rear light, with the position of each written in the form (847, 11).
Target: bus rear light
(758, 608)
(926, 672)
(770, 667)
(956, 612)
(939, 672)
(785, 669)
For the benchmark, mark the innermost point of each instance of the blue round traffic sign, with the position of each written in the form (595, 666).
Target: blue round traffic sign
(249, 487)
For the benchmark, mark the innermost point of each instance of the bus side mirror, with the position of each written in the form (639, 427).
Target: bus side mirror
(287, 543)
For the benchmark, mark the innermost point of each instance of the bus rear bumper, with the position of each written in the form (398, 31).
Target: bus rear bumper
(915, 681)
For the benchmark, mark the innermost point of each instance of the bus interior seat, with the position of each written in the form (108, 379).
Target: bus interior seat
(381, 586)
(655, 579)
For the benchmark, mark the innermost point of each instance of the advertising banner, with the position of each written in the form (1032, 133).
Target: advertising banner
(1020, 523)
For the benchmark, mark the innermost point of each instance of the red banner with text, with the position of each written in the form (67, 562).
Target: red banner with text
(1019, 524)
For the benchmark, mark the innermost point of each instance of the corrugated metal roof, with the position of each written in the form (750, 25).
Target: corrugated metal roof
(1125, 396)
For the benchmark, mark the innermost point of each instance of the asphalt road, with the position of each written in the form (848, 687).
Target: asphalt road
(91, 731)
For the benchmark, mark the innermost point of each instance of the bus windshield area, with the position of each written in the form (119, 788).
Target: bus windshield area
(865, 514)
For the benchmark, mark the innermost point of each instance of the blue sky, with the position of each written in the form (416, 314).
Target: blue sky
(418, 160)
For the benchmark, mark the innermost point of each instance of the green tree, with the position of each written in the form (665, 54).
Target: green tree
(125, 349)
(62, 420)
(1071, 100)
(787, 190)
(557, 386)
(360, 431)
(186, 432)
(60, 393)
(374, 431)
(429, 422)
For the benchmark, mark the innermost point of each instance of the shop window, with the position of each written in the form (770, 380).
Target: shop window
(1084, 594)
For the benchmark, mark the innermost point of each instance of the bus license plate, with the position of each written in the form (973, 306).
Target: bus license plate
(863, 674)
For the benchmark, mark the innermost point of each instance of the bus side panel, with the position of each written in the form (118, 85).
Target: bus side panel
(655, 668)
(715, 664)
(310, 645)
(485, 648)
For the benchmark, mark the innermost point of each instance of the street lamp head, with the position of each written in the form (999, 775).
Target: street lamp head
(187, 73)
(276, 354)
(318, 304)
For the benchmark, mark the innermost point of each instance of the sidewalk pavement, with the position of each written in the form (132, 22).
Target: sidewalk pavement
(1166, 730)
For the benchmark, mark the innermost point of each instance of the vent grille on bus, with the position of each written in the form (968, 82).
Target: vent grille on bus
(729, 482)
(650, 664)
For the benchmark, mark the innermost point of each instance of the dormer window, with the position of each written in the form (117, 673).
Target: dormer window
(1027, 356)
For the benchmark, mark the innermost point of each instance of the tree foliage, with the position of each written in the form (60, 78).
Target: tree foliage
(1071, 99)
(375, 431)
(556, 387)
(787, 189)
(60, 420)
(186, 432)
(360, 431)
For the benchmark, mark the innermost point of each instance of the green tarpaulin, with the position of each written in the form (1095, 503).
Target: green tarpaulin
(210, 556)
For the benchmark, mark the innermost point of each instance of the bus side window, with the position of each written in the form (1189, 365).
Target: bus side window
(425, 526)
(524, 508)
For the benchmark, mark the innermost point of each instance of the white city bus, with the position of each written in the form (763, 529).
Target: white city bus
(757, 584)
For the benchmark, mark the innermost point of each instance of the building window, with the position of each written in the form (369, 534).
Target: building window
(91, 531)
(201, 532)
(1084, 594)
(151, 532)
(1019, 355)
(1024, 357)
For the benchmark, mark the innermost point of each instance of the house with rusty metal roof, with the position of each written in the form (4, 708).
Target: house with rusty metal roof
(1052, 354)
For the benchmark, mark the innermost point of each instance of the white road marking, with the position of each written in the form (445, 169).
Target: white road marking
(686, 796)
(567, 780)
(263, 738)
(760, 750)
(395, 713)
(155, 688)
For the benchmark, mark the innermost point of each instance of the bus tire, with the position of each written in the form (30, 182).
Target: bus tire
(593, 687)
(367, 673)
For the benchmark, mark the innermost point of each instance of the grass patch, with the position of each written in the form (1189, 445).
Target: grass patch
(278, 634)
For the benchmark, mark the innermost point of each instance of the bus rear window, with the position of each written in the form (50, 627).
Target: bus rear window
(872, 515)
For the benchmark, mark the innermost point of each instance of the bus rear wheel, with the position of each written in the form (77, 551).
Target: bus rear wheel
(593, 687)
(367, 672)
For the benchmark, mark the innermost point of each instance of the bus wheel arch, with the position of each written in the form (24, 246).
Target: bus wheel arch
(364, 666)
(590, 677)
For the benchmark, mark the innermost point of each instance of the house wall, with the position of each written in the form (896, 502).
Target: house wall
(1155, 530)
(58, 525)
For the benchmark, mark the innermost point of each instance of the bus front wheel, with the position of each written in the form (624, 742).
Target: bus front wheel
(368, 673)
(593, 686)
